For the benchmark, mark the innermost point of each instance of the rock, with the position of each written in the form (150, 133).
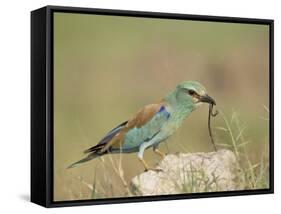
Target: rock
(188, 173)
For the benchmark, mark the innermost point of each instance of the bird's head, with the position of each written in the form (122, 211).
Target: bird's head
(192, 94)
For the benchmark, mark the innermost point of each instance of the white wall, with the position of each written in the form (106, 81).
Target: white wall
(15, 108)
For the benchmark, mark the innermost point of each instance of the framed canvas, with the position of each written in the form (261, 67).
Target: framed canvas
(131, 106)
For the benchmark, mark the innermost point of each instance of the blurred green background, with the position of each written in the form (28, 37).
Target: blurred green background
(108, 67)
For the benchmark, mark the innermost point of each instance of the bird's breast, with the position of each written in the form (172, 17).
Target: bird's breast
(176, 119)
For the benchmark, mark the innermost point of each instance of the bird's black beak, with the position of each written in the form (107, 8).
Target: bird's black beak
(207, 99)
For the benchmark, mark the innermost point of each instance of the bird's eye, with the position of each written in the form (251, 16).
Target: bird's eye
(191, 92)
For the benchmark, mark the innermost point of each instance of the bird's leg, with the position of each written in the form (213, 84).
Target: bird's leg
(146, 167)
(158, 152)
(144, 146)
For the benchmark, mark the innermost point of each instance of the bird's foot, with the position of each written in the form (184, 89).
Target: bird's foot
(147, 167)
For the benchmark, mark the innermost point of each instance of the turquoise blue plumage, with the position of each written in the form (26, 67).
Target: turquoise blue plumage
(152, 124)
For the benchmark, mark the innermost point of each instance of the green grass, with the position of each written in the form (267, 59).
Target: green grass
(252, 175)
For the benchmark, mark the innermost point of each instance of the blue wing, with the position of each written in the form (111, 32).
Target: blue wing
(106, 138)
(136, 136)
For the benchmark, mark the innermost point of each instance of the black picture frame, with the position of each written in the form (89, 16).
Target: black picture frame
(42, 104)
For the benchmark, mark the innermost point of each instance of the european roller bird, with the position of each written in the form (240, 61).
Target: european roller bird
(152, 124)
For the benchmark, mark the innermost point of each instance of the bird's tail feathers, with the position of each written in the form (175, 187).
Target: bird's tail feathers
(86, 159)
